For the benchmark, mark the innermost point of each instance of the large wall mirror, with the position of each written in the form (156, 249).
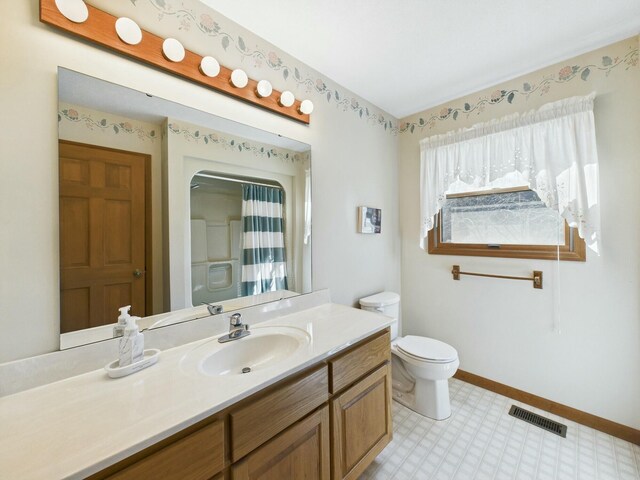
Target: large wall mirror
(168, 209)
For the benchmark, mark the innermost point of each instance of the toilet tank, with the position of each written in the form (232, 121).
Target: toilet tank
(387, 303)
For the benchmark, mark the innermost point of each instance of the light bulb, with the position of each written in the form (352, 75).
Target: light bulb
(74, 10)
(128, 31)
(306, 107)
(264, 88)
(287, 99)
(173, 50)
(239, 78)
(209, 66)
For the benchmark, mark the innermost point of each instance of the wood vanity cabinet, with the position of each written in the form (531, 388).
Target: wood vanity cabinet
(197, 456)
(300, 452)
(348, 367)
(328, 422)
(361, 405)
(266, 414)
(361, 423)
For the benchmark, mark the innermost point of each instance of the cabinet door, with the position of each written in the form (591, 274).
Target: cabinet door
(300, 452)
(361, 423)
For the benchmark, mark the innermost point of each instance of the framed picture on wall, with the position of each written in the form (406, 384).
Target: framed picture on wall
(369, 220)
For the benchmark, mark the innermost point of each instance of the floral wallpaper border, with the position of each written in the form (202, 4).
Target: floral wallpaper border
(237, 145)
(209, 27)
(106, 125)
(214, 138)
(567, 73)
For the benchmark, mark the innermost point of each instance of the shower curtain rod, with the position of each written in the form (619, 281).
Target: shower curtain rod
(231, 179)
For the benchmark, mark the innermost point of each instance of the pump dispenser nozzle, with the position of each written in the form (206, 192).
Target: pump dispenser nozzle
(124, 313)
(118, 330)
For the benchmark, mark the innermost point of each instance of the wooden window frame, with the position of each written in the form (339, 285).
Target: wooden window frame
(574, 248)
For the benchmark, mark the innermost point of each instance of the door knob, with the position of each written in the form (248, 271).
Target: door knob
(138, 273)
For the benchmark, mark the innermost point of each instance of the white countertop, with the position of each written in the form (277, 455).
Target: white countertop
(80, 425)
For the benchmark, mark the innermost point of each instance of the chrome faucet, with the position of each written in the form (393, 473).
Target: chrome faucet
(213, 309)
(237, 329)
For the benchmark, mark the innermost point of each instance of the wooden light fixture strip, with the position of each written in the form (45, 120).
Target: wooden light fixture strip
(100, 28)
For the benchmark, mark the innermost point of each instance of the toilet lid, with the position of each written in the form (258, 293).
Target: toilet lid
(427, 348)
(381, 299)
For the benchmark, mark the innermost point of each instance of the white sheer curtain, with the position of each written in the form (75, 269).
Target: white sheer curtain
(552, 150)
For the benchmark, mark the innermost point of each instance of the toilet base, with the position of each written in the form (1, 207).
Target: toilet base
(432, 398)
(429, 398)
(406, 399)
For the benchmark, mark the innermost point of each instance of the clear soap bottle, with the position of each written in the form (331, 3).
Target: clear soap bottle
(131, 343)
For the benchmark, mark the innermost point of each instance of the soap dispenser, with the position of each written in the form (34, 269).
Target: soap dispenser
(132, 357)
(131, 343)
(118, 330)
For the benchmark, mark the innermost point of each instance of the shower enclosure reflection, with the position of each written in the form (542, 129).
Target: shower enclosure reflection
(216, 206)
(242, 232)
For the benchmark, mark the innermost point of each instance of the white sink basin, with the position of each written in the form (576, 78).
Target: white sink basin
(266, 347)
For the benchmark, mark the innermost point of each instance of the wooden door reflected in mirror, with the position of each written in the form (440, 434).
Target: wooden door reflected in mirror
(103, 225)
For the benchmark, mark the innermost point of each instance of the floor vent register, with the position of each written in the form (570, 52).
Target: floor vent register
(539, 421)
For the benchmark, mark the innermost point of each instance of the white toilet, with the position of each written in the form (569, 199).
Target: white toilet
(421, 366)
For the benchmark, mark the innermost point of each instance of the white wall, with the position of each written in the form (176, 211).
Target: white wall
(503, 330)
(354, 158)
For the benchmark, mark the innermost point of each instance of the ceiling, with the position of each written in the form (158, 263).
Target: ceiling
(408, 55)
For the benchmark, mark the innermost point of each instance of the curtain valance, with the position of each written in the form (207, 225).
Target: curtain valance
(552, 150)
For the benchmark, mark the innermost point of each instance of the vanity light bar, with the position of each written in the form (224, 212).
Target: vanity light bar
(99, 27)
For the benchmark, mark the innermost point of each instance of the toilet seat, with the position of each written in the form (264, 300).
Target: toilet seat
(424, 349)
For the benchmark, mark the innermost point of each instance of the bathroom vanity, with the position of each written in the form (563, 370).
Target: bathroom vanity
(321, 410)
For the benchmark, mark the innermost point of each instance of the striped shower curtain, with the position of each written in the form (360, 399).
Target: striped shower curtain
(264, 267)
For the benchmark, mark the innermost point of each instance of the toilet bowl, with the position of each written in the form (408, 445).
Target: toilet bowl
(421, 366)
(430, 363)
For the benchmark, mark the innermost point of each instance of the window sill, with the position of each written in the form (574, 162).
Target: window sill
(575, 252)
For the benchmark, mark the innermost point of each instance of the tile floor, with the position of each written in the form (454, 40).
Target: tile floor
(481, 441)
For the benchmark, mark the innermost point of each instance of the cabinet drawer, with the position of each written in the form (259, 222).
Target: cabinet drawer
(300, 452)
(271, 413)
(198, 456)
(352, 365)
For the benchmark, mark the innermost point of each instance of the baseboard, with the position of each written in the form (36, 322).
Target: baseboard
(598, 423)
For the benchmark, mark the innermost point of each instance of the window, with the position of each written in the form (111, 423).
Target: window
(551, 149)
(511, 222)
